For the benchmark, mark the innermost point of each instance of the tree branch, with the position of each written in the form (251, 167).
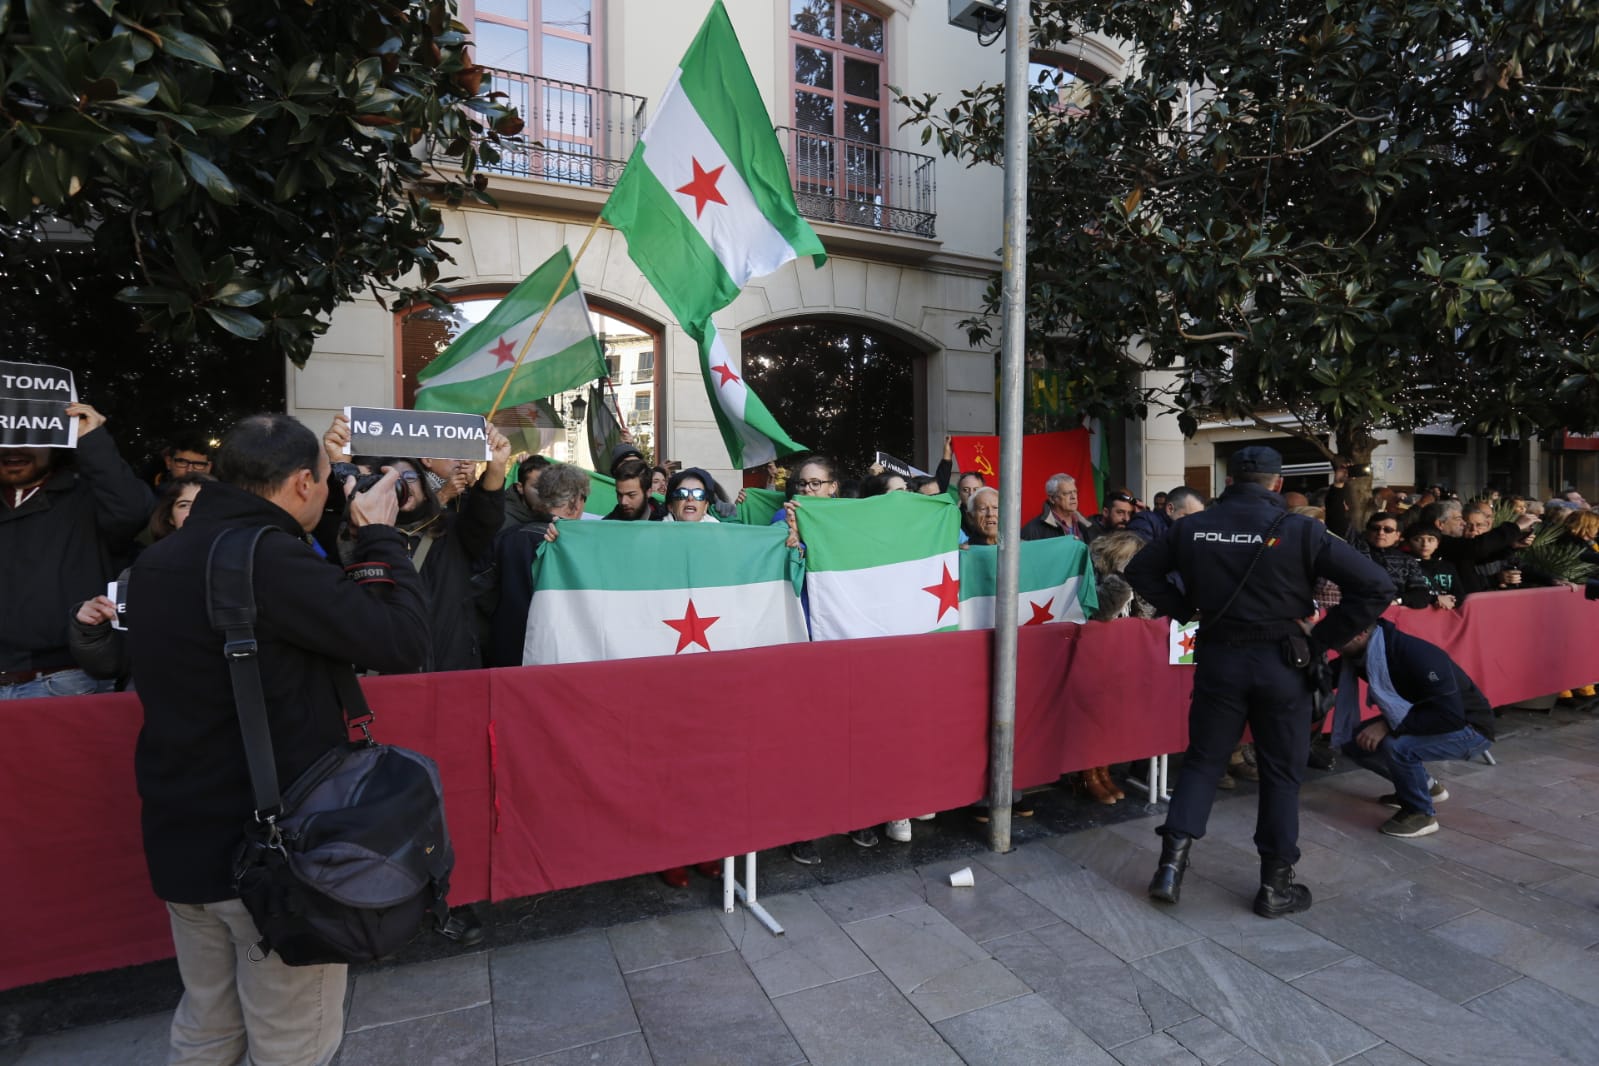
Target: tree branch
(1354, 120)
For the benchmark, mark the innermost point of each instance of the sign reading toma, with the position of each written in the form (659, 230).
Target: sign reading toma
(380, 431)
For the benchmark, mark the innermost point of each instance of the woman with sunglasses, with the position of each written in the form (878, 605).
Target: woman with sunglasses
(689, 496)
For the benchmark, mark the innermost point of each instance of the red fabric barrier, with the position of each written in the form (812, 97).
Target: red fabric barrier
(600, 770)
(611, 769)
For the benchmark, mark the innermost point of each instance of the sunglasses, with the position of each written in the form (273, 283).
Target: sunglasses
(688, 494)
(1121, 497)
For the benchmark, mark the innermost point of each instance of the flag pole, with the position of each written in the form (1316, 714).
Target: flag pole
(554, 297)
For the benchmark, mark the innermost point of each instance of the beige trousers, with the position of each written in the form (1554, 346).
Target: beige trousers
(240, 1008)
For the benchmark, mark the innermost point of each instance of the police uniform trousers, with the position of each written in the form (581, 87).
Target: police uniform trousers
(1239, 683)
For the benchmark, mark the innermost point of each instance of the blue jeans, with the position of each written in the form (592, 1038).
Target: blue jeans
(1402, 759)
(60, 683)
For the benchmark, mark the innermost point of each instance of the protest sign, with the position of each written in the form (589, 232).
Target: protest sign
(380, 431)
(892, 465)
(33, 406)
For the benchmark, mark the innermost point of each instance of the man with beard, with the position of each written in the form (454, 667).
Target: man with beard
(65, 529)
(633, 502)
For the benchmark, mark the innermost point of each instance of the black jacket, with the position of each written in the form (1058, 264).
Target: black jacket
(1466, 552)
(1212, 550)
(62, 546)
(1046, 525)
(514, 552)
(1443, 698)
(313, 621)
(461, 551)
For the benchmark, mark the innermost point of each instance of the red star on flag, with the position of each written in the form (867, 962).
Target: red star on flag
(503, 352)
(703, 187)
(1187, 643)
(1042, 614)
(691, 628)
(948, 592)
(727, 373)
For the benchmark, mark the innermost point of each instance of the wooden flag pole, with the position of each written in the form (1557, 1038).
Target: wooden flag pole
(554, 296)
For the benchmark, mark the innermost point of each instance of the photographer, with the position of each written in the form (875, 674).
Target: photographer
(313, 621)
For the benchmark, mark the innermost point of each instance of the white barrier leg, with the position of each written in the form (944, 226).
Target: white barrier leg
(1164, 789)
(728, 885)
(746, 895)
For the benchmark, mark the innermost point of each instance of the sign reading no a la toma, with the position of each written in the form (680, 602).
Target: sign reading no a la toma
(33, 406)
(379, 431)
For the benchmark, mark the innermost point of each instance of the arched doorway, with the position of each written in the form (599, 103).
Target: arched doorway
(842, 388)
(551, 427)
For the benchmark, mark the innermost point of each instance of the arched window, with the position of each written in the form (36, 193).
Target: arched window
(554, 426)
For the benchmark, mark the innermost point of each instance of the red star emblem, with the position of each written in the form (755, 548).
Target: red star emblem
(1042, 613)
(691, 628)
(948, 592)
(503, 352)
(1187, 643)
(727, 374)
(703, 187)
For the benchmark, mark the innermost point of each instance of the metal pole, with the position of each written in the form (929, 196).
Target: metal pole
(1013, 347)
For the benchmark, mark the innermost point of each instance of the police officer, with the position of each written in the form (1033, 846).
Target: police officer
(1248, 567)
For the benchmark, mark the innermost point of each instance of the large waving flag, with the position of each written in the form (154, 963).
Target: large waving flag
(565, 354)
(883, 566)
(623, 590)
(1057, 583)
(705, 203)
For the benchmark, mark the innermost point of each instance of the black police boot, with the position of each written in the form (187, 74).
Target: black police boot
(1167, 884)
(1278, 895)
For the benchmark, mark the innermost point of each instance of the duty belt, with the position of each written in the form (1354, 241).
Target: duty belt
(1247, 632)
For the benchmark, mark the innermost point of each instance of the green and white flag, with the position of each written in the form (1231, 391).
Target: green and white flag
(880, 567)
(706, 204)
(1057, 583)
(565, 354)
(625, 590)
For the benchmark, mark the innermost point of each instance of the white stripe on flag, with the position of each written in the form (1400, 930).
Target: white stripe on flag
(567, 325)
(585, 625)
(884, 600)
(1060, 603)
(680, 150)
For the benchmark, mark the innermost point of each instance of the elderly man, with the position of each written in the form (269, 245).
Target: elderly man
(1153, 523)
(562, 490)
(1467, 552)
(1061, 517)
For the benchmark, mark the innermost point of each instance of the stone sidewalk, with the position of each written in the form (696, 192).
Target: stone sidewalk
(1472, 946)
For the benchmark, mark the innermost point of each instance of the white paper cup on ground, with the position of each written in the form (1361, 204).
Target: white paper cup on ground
(961, 878)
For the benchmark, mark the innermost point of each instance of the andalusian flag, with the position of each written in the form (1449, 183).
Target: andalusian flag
(706, 205)
(1057, 583)
(879, 567)
(624, 590)
(565, 354)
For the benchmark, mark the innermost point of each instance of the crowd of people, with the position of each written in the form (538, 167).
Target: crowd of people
(433, 573)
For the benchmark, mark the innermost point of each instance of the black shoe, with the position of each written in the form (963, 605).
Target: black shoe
(1278, 894)
(1022, 806)
(464, 927)
(1436, 790)
(1321, 757)
(1167, 884)
(804, 852)
(865, 838)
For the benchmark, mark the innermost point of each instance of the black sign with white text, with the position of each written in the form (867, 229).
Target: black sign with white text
(379, 431)
(36, 381)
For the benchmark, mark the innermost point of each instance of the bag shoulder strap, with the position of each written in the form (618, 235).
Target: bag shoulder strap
(1253, 562)
(230, 607)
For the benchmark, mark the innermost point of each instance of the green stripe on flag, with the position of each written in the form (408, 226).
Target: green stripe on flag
(535, 379)
(1045, 564)
(758, 506)
(626, 555)
(728, 101)
(602, 494)
(856, 534)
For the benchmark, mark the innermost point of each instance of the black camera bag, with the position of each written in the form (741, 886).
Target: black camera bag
(346, 865)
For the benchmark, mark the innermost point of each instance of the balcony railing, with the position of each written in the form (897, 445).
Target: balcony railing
(575, 134)
(860, 184)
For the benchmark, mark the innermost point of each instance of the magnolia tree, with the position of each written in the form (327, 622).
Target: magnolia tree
(242, 167)
(1368, 214)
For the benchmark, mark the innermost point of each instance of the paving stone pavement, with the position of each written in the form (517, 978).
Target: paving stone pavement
(1478, 945)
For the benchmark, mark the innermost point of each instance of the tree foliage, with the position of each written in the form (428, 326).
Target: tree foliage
(244, 166)
(1370, 214)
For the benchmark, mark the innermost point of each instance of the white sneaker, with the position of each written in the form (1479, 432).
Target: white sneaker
(899, 830)
(926, 817)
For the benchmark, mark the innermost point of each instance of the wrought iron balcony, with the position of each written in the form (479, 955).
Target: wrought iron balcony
(860, 184)
(575, 134)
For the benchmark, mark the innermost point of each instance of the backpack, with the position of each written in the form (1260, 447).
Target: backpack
(345, 864)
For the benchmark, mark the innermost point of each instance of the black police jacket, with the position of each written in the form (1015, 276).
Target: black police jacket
(1212, 549)
(1442, 696)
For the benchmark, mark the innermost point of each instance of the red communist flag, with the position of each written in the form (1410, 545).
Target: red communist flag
(1043, 455)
